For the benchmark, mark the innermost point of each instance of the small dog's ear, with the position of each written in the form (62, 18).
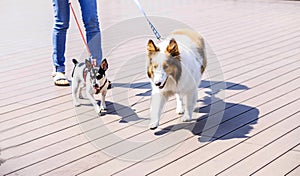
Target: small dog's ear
(104, 64)
(172, 48)
(151, 46)
(88, 64)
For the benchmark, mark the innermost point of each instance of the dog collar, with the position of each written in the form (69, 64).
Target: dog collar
(101, 87)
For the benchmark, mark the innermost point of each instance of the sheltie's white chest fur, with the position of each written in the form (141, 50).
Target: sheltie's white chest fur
(175, 66)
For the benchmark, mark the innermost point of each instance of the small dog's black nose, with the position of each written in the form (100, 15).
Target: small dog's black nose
(96, 85)
(157, 83)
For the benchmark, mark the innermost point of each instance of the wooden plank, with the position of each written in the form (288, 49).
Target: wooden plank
(44, 153)
(52, 103)
(295, 171)
(15, 126)
(40, 94)
(223, 159)
(60, 124)
(281, 165)
(269, 152)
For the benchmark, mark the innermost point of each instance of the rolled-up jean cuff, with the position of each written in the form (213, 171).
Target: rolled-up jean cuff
(60, 69)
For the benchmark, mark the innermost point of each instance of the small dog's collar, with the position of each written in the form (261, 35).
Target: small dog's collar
(101, 87)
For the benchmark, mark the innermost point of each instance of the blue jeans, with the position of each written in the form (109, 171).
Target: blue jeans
(61, 25)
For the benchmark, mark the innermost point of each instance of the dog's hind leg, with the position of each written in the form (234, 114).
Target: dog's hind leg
(75, 86)
(157, 103)
(191, 99)
(80, 93)
(179, 108)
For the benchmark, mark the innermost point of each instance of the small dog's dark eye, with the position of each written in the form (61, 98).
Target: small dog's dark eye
(98, 76)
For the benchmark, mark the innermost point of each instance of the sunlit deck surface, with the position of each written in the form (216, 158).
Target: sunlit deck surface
(247, 117)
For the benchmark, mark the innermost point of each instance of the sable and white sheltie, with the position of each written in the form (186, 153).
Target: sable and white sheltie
(175, 66)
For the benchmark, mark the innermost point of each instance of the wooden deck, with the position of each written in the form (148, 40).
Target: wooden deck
(252, 83)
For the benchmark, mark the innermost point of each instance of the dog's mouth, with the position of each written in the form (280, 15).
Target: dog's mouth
(162, 85)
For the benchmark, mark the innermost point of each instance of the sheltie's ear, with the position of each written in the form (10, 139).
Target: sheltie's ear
(151, 47)
(172, 48)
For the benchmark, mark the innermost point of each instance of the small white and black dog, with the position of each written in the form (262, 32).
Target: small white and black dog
(95, 81)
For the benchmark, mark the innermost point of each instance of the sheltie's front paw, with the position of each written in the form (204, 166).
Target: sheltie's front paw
(179, 110)
(186, 118)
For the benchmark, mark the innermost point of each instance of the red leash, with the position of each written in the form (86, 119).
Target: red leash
(81, 33)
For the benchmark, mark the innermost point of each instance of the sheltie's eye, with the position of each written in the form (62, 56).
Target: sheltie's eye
(165, 66)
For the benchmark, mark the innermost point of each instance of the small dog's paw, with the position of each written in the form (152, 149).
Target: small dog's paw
(186, 118)
(103, 108)
(153, 126)
(179, 110)
(76, 104)
(1, 161)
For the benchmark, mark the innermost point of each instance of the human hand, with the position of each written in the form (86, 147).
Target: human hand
(94, 62)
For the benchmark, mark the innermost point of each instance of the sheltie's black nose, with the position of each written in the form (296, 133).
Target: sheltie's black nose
(157, 83)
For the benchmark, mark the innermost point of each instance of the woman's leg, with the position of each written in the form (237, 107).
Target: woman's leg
(91, 24)
(61, 24)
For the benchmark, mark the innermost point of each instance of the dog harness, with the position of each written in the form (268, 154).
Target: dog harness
(101, 87)
(84, 74)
